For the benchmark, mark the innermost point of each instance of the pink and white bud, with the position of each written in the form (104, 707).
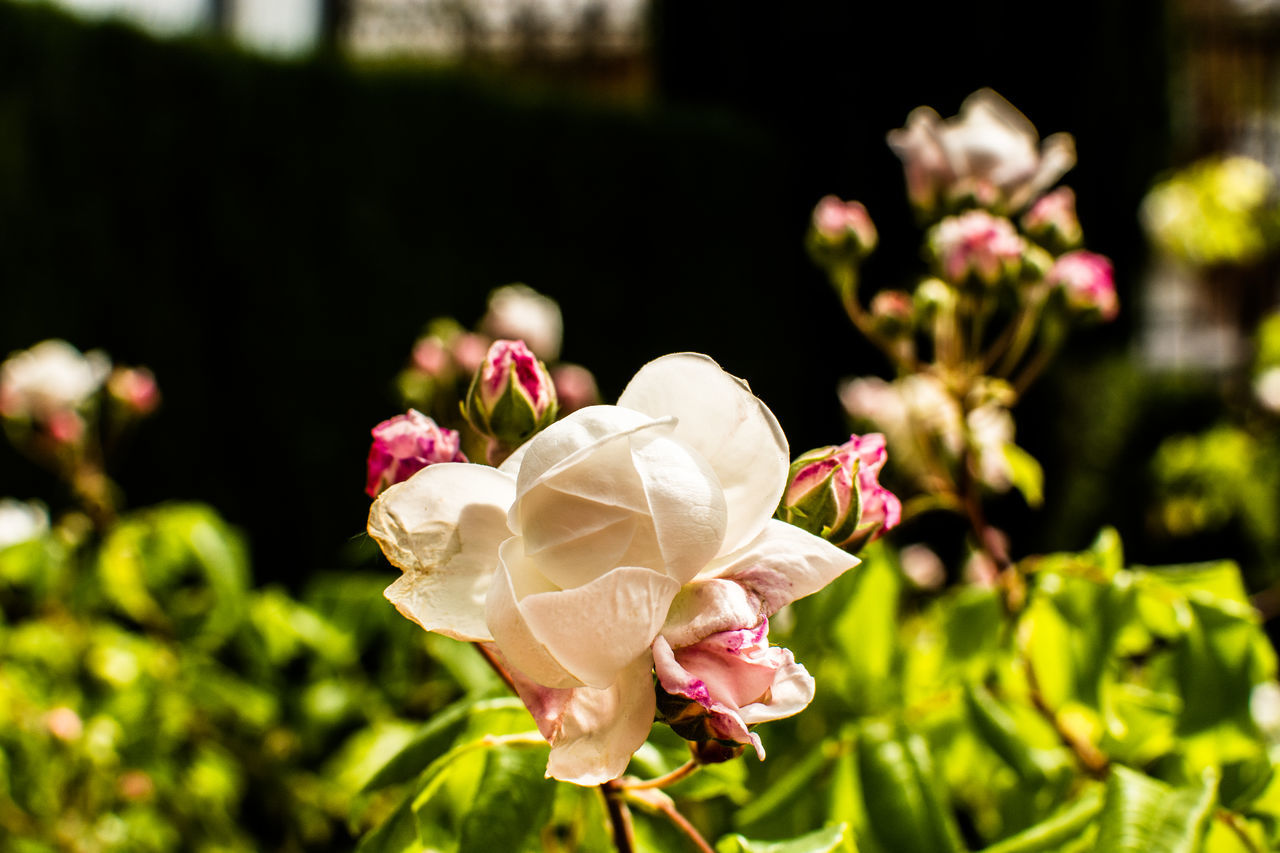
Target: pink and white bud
(575, 387)
(430, 356)
(518, 312)
(406, 444)
(1088, 281)
(923, 567)
(834, 492)
(135, 389)
(729, 681)
(512, 396)
(840, 232)
(1052, 220)
(893, 312)
(976, 245)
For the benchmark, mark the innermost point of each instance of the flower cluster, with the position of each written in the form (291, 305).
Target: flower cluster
(618, 544)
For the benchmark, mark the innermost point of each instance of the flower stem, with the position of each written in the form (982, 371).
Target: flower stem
(659, 802)
(681, 772)
(624, 833)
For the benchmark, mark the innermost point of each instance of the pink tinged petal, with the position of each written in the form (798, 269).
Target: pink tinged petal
(442, 528)
(593, 733)
(782, 564)
(719, 417)
(708, 607)
(588, 633)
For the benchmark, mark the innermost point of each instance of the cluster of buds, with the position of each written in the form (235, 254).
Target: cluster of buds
(835, 492)
(51, 387)
(976, 247)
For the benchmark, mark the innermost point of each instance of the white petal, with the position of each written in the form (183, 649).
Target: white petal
(442, 527)
(784, 563)
(708, 607)
(597, 731)
(591, 631)
(584, 433)
(685, 500)
(514, 637)
(719, 417)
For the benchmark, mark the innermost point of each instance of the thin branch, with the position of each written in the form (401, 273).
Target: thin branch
(1232, 820)
(1089, 756)
(624, 831)
(657, 801)
(681, 772)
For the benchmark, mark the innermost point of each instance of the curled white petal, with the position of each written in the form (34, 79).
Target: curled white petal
(591, 632)
(782, 564)
(719, 417)
(442, 528)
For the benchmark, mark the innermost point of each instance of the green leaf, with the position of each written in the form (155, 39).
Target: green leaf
(1000, 731)
(826, 840)
(1025, 473)
(512, 804)
(397, 834)
(899, 786)
(1141, 814)
(1055, 831)
(435, 738)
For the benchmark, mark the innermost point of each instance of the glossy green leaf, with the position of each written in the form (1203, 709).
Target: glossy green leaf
(1057, 830)
(513, 802)
(826, 840)
(1141, 814)
(906, 809)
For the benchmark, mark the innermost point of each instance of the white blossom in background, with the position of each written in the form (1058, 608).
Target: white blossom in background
(1266, 388)
(520, 313)
(21, 521)
(51, 378)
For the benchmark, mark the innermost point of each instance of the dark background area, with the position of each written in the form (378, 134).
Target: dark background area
(270, 237)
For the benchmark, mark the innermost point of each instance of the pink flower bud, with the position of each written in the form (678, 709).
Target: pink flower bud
(892, 311)
(834, 492)
(841, 231)
(1052, 220)
(134, 388)
(575, 387)
(512, 396)
(406, 444)
(977, 245)
(1088, 281)
(468, 351)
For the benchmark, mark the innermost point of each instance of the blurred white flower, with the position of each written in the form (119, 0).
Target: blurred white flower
(520, 313)
(21, 521)
(1266, 387)
(1264, 705)
(990, 429)
(51, 378)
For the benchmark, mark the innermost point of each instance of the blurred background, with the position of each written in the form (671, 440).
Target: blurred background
(266, 200)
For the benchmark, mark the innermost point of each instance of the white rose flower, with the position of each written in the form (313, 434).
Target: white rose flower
(51, 377)
(569, 557)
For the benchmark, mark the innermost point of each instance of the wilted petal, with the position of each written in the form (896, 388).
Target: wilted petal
(593, 733)
(784, 563)
(591, 631)
(442, 528)
(721, 419)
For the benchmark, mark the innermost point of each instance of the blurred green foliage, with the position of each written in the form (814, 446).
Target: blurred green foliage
(151, 699)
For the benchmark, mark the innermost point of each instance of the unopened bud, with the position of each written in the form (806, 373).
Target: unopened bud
(834, 492)
(1052, 221)
(404, 445)
(1088, 281)
(976, 246)
(892, 311)
(134, 389)
(575, 387)
(512, 396)
(841, 232)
